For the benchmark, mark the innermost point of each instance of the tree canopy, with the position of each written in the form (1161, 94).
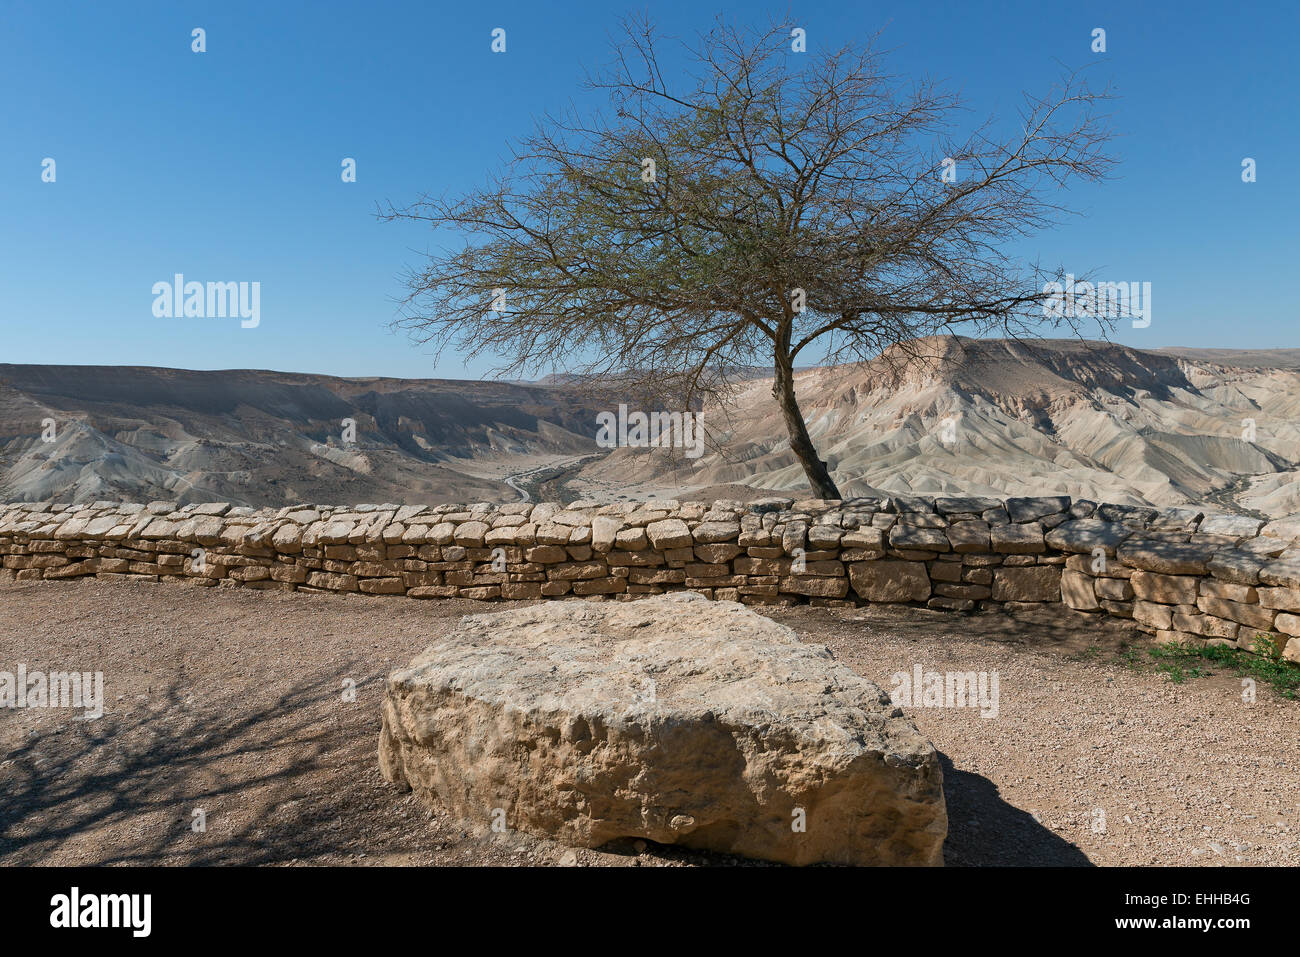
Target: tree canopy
(762, 207)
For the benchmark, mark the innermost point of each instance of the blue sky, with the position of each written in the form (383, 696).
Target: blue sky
(225, 165)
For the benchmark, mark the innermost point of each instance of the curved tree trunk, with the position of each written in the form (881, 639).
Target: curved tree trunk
(819, 476)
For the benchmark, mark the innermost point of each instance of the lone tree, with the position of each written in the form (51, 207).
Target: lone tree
(771, 202)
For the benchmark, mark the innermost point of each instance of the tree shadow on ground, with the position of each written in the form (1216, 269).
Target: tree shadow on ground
(986, 831)
(125, 787)
(122, 790)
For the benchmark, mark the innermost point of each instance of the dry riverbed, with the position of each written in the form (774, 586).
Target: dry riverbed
(232, 704)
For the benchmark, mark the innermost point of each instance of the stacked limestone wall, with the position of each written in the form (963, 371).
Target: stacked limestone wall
(1180, 574)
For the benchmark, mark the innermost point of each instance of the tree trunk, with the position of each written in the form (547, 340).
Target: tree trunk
(819, 476)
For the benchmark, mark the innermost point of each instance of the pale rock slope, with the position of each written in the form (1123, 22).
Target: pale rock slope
(271, 438)
(1218, 428)
(1004, 417)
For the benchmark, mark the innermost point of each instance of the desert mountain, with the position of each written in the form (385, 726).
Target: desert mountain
(1004, 417)
(994, 417)
(1256, 358)
(272, 438)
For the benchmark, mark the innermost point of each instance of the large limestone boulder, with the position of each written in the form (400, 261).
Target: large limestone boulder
(673, 718)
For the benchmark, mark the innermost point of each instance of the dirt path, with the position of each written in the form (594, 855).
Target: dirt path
(232, 703)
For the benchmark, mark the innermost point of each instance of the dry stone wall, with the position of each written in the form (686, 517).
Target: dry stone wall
(1180, 574)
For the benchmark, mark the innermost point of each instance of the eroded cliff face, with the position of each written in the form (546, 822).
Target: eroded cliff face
(998, 417)
(269, 438)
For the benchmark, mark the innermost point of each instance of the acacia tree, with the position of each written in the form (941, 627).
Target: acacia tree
(768, 207)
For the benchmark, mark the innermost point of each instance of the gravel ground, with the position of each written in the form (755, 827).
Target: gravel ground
(232, 703)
